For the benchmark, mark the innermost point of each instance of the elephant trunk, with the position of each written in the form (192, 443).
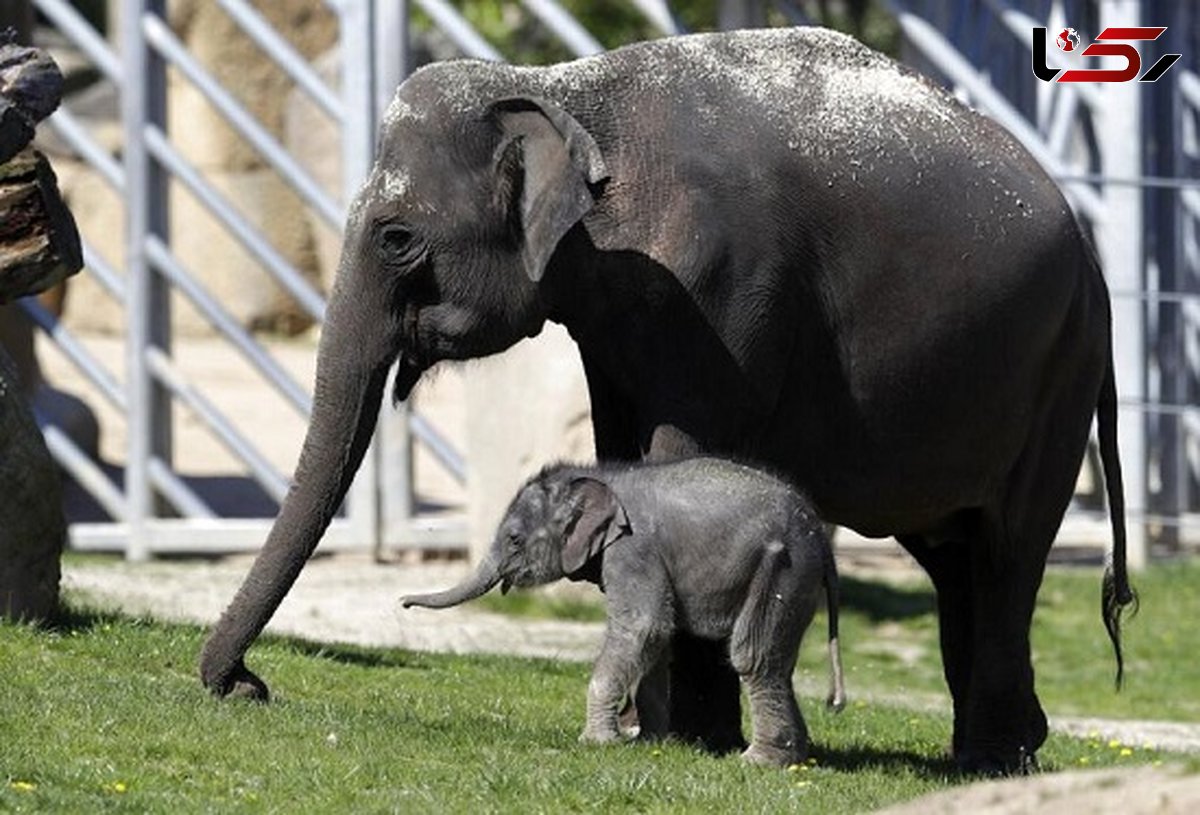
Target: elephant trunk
(481, 582)
(357, 348)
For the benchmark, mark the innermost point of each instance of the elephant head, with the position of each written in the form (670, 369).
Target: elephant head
(445, 246)
(555, 527)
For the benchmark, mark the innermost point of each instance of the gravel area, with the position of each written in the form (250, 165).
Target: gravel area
(346, 598)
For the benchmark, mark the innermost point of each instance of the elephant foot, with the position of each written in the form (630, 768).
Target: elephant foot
(1003, 751)
(768, 755)
(240, 683)
(1022, 762)
(599, 735)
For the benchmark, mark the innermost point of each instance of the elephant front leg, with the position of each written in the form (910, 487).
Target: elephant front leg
(949, 567)
(623, 660)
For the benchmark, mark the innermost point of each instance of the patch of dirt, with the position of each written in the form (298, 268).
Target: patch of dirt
(1133, 791)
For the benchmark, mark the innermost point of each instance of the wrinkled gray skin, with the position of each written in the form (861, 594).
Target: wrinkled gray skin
(718, 549)
(777, 246)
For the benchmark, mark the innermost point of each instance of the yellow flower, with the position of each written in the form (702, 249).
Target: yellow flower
(1114, 743)
(812, 762)
(23, 786)
(803, 784)
(117, 786)
(1125, 751)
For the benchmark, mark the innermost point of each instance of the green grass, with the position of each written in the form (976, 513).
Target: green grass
(890, 642)
(105, 714)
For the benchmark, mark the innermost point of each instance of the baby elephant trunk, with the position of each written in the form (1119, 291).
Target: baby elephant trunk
(478, 584)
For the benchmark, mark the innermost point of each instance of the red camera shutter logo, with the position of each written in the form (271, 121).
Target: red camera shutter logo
(1108, 44)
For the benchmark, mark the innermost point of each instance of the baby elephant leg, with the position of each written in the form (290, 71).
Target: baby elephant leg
(763, 647)
(653, 701)
(622, 662)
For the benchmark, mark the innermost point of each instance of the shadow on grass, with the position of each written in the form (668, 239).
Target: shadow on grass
(344, 654)
(68, 619)
(852, 759)
(883, 601)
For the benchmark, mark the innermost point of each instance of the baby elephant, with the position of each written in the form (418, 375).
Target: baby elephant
(718, 549)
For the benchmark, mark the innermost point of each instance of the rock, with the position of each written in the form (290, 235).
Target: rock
(32, 529)
(39, 244)
(526, 408)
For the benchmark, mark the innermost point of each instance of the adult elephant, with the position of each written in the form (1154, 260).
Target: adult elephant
(773, 244)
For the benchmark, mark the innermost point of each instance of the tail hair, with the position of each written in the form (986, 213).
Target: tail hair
(1115, 591)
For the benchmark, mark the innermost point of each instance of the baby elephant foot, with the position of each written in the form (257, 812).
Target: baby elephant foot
(599, 735)
(772, 756)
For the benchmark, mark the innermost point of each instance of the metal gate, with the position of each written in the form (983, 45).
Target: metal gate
(154, 511)
(1128, 157)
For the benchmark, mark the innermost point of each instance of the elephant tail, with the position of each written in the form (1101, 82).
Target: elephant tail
(837, 690)
(1115, 591)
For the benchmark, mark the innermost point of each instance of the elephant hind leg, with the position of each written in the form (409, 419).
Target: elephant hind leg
(1005, 724)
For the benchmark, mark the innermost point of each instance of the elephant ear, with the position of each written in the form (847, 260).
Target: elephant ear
(599, 521)
(548, 165)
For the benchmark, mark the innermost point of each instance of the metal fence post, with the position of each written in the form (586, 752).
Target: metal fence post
(1120, 242)
(394, 438)
(358, 133)
(148, 308)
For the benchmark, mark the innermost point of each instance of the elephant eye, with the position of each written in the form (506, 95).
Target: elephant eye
(398, 245)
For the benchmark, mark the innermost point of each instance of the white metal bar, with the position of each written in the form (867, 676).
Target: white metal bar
(1119, 240)
(442, 450)
(83, 469)
(285, 56)
(72, 131)
(1189, 86)
(261, 469)
(76, 352)
(173, 488)
(230, 535)
(220, 207)
(358, 143)
(165, 43)
(460, 32)
(565, 27)
(109, 278)
(148, 308)
(79, 31)
(166, 262)
(659, 13)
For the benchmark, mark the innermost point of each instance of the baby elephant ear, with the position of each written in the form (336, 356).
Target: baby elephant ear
(549, 163)
(600, 519)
